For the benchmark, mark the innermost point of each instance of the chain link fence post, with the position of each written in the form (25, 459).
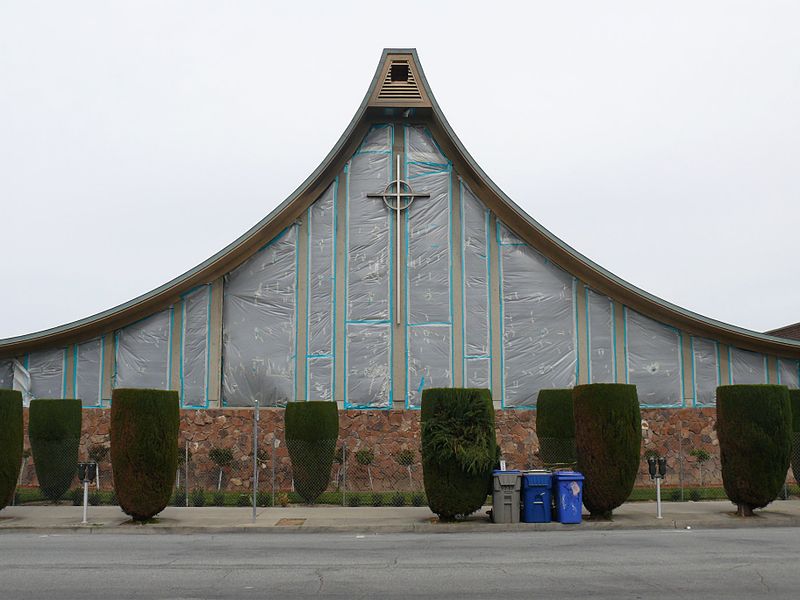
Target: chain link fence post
(256, 416)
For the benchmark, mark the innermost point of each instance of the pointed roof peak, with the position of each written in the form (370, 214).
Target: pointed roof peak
(399, 81)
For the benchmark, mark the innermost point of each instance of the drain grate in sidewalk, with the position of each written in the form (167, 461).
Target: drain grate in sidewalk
(289, 522)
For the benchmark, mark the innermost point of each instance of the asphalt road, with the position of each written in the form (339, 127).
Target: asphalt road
(731, 564)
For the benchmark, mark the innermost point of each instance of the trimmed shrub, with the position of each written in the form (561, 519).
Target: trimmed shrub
(264, 499)
(244, 500)
(608, 440)
(312, 429)
(179, 497)
(459, 449)
(218, 498)
(197, 497)
(11, 434)
(398, 499)
(794, 400)
(354, 500)
(555, 427)
(754, 424)
(144, 449)
(417, 499)
(377, 499)
(54, 430)
(76, 496)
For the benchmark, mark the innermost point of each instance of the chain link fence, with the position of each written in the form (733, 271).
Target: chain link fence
(365, 469)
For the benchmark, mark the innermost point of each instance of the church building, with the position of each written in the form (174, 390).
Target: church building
(398, 265)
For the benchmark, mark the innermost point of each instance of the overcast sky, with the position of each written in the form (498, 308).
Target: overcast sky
(662, 140)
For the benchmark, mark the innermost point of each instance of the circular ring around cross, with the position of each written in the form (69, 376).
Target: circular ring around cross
(406, 194)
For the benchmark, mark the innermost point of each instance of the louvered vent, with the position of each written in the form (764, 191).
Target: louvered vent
(399, 84)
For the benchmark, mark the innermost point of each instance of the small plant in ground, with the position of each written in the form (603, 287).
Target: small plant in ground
(398, 499)
(222, 457)
(95, 498)
(338, 458)
(283, 499)
(365, 457)
(675, 495)
(244, 500)
(354, 500)
(198, 497)
(112, 499)
(418, 499)
(377, 499)
(695, 495)
(405, 458)
(179, 497)
(264, 499)
(218, 498)
(702, 457)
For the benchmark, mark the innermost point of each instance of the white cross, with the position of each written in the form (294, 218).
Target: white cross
(398, 196)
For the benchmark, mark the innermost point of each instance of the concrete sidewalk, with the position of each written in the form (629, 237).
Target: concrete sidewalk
(331, 519)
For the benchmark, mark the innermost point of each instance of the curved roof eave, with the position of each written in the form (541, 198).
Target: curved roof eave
(160, 297)
(682, 315)
(182, 283)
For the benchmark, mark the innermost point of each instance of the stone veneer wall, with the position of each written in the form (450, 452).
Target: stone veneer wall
(673, 433)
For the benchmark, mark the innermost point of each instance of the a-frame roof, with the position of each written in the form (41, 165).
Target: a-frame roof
(388, 93)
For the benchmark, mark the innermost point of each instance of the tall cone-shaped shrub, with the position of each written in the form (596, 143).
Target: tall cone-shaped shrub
(54, 430)
(144, 449)
(794, 400)
(754, 424)
(10, 444)
(459, 449)
(608, 440)
(555, 427)
(311, 429)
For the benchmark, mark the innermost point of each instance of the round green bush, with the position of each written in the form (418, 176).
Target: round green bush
(794, 400)
(754, 424)
(54, 430)
(459, 449)
(312, 429)
(608, 439)
(144, 449)
(555, 427)
(11, 433)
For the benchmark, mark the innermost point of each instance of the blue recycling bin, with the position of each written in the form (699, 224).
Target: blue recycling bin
(537, 497)
(568, 496)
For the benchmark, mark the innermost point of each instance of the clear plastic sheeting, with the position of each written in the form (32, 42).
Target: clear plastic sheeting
(47, 371)
(421, 147)
(143, 353)
(705, 362)
(600, 325)
(368, 359)
(320, 378)
(320, 291)
(6, 374)
(789, 372)
(22, 381)
(538, 307)
(477, 373)
(368, 333)
(653, 352)
(88, 375)
(429, 360)
(428, 267)
(506, 237)
(194, 347)
(747, 367)
(475, 265)
(368, 235)
(258, 316)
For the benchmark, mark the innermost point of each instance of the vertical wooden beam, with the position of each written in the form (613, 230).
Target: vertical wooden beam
(772, 369)
(399, 330)
(215, 345)
(495, 320)
(175, 347)
(456, 258)
(69, 375)
(109, 364)
(340, 314)
(581, 333)
(619, 350)
(301, 310)
(688, 369)
(724, 365)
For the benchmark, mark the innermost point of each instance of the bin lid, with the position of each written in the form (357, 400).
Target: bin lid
(508, 472)
(568, 476)
(540, 479)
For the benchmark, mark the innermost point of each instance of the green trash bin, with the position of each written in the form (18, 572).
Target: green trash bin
(505, 496)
